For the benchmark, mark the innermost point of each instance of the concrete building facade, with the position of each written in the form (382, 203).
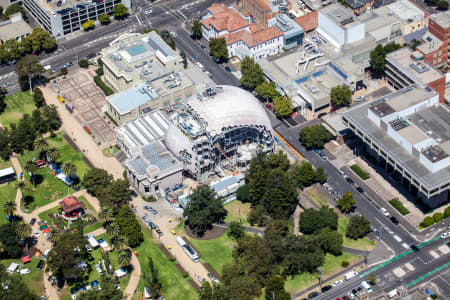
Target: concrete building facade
(62, 17)
(408, 132)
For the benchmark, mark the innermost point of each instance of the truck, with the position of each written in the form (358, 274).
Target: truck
(350, 275)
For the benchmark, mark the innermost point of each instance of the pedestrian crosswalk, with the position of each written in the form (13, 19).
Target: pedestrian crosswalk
(7, 75)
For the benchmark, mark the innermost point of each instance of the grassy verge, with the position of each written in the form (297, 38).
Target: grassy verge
(399, 206)
(237, 212)
(331, 266)
(364, 244)
(316, 197)
(8, 192)
(89, 228)
(174, 285)
(216, 252)
(17, 105)
(360, 172)
(88, 205)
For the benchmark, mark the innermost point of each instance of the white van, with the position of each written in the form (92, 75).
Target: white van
(181, 241)
(392, 294)
(365, 285)
(24, 271)
(47, 67)
(350, 275)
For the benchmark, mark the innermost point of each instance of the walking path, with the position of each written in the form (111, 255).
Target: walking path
(82, 138)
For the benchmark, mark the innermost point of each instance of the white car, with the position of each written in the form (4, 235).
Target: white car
(385, 212)
(36, 233)
(445, 235)
(337, 282)
(147, 12)
(24, 271)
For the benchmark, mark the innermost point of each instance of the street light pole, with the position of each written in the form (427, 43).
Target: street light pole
(320, 278)
(273, 295)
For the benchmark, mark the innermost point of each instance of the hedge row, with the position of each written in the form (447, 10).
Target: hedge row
(360, 172)
(106, 89)
(399, 206)
(428, 221)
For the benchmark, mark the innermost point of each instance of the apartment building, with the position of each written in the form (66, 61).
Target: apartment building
(439, 26)
(61, 17)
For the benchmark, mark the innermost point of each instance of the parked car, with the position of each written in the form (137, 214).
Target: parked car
(36, 233)
(154, 211)
(359, 189)
(159, 232)
(39, 265)
(152, 225)
(32, 221)
(394, 220)
(313, 295)
(385, 212)
(337, 282)
(147, 12)
(99, 269)
(375, 231)
(227, 68)
(145, 219)
(341, 172)
(350, 181)
(149, 208)
(326, 288)
(90, 55)
(445, 235)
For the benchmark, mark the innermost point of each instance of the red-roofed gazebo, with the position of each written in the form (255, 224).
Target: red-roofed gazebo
(26, 259)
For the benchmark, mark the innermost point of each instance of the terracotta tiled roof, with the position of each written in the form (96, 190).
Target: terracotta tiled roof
(256, 27)
(224, 18)
(308, 21)
(263, 4)
(253, 39)
(70, 204)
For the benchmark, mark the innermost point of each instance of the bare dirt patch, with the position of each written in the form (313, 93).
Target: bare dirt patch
(211, 234)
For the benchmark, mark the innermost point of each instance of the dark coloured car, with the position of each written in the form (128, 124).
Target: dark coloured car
(90, 55)
(32, 221)
(326, 288)
(313, 295)
(39, 265)
(349, 180)
(359, 189)
(394, 220)
(152, 225)
(415, 248)
(354, 292)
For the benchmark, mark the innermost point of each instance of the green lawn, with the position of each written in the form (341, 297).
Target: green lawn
(216, 252)
(331, 266)
(316, 197)
(34, 280)
(5, 164)
(17, 105)
(50, 188)
(174, 285)
(362, 244)
(107, 151)
(237, 212)
(7, 193)
(44, 215)
(92, 227)
(88, 205)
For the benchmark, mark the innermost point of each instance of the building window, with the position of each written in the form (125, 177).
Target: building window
(146, 189)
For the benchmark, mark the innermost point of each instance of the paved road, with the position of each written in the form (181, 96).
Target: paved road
(422, 263)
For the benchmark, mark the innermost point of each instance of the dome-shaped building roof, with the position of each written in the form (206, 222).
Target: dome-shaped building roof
(229, 106)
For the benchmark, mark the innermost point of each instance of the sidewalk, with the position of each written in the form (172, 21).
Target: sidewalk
(82, 138)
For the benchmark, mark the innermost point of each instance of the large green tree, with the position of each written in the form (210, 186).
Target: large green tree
(168, 38)
(65, 257)
(305, 175)
(304, 255)
(5, 148)
(89, 24)
(358, 226)
(28, 68)
(378, 57)
(313, 221)
(95, 180)
(116, 194)
(120, 11)
(204, 208)
(9, 242)
(196, 29)
(314, 136)
(330, 241)
(218, 49)
(252, 74)
(283, 106)
(267, 91)
(129, 226)
(341, 95)
(104, 19)
(346, 203)
(38, 98)
(216, 291)
(3, 93)
(275, 289)
(108, 290)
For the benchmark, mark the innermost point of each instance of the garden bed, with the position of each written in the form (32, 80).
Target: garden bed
(399, 206)
(360, 172)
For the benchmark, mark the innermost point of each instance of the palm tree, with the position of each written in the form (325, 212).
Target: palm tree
(22, 230)
(124, 258)
(107, 214)
(69, 169)
(9, 207)
(53, 154)
(41, 144)
(119, 242)
(31, 167)
(21, 186)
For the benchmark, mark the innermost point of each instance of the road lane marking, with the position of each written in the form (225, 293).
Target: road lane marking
(408, 285)
(397, 238)
(405, 245)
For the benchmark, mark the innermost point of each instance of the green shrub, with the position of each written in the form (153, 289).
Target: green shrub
(185, 274)
(447, 212)
(106, 89)
(360, 172)
(83, 63)
(99, 71)
(149, 199)
(438, 217)
(172, 258)
(345, 263)
(399, 206)
(428, 221)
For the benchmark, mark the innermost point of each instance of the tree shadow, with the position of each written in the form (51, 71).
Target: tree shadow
(27, 200)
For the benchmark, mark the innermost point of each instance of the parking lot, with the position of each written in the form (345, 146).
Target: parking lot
(86, 100)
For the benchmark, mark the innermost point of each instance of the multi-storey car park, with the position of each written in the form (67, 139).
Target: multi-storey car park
(408, 131)
(61, 17)
(221, 128)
